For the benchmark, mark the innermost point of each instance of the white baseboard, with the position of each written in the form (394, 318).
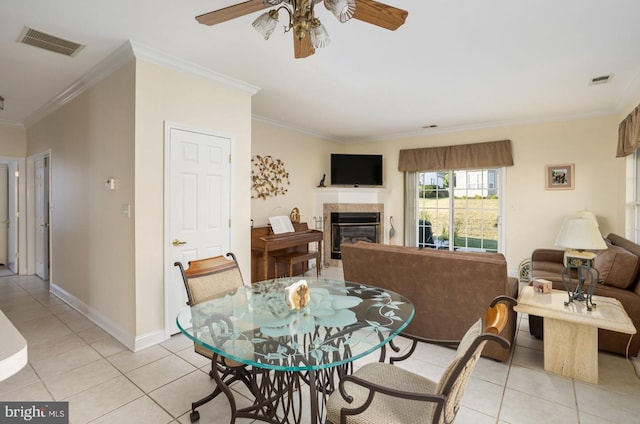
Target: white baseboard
(132, 342)
(149, 339)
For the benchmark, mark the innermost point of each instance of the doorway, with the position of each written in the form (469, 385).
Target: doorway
(39, 214)
(42, 217)
(9, 217)
(460, 210)
(197, 206)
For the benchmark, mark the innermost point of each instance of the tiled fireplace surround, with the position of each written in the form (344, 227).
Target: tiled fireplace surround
(346, 199)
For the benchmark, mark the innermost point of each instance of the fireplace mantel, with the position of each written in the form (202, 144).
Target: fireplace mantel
(337, 194)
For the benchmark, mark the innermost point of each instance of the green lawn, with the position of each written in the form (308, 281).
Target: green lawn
(475, 221)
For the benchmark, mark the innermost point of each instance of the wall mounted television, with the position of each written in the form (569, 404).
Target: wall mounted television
(356, 170)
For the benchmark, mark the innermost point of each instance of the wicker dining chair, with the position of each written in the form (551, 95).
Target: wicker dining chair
(385, 393)
(205, 279)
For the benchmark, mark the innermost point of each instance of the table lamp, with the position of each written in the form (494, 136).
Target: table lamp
(578, 234)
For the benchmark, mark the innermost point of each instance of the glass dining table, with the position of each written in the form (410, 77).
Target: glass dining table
(289, 354)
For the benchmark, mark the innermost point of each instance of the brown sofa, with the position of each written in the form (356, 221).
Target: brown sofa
(450, 290)
(619, 267)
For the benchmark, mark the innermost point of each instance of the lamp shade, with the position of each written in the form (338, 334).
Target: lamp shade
(588, 214)
(342, 9)
(580, 234)
(319, 35)
(266, 23)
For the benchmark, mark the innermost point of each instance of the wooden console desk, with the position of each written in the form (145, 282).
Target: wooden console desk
(265, 245)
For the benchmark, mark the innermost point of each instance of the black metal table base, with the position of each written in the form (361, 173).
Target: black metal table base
(279, 396)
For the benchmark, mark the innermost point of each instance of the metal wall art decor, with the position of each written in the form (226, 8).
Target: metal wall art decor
(268, 177)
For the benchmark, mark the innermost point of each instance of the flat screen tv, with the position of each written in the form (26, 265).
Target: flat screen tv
(356, 170)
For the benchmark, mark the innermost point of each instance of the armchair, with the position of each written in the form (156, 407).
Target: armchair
(384, 393)
(205, 279)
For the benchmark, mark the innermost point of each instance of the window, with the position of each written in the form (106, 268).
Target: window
(459, 210)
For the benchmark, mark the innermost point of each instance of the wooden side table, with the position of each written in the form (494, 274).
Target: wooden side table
(571, 332)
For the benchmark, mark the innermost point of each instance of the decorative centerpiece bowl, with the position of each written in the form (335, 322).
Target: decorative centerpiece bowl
(297, 295)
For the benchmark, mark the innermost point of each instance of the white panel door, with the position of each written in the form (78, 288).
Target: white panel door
(4, 214)
(199, 206)
(12, 253)
(42, 218)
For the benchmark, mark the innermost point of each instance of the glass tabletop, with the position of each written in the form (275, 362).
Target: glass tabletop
(253, 325)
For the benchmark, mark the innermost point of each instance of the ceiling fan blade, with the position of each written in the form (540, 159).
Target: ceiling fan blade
(231, 12)
(302, 48)
(380, 14)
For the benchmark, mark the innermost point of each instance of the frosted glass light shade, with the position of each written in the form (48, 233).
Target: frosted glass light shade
(266, 23)
(319, 35)
(342, 9)
(580, 234)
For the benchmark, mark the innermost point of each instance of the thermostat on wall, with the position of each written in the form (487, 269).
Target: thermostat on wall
(111, 183)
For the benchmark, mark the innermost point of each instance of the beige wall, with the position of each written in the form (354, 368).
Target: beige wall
(13, 141)
(305, 157)
(115, 265)
(533, 215)
(92, 139)
(109, 265)
(166, 95)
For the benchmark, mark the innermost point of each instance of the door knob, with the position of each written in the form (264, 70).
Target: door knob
(44, 224)
(177, 242)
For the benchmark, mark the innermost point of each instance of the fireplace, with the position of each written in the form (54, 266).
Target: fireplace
(352, 227)
(349, 203)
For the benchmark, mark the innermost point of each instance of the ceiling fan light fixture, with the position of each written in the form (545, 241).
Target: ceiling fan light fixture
(342, 9)
(266, 23)
(319, 35)
(308, 33)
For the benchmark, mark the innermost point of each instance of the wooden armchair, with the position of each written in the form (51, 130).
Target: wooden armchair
(384, 393)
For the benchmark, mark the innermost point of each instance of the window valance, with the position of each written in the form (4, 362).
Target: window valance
(629, 134)
(491, 154)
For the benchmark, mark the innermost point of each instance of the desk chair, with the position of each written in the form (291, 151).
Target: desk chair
(205, 279)
(384, 393)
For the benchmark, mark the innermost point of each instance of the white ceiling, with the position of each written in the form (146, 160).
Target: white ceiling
(455, 63)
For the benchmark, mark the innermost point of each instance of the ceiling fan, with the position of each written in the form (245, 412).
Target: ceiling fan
(308, 32)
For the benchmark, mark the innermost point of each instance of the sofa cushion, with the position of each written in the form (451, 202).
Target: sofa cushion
(618, 267)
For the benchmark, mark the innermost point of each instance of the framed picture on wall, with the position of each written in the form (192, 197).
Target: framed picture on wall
(560, 177)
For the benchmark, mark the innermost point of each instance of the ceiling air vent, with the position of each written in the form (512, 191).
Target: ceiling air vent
(600, 80)
(49, 42)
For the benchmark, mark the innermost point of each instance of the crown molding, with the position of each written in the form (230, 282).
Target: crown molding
(106, 67)
(121, 56)
(160, 58)
(289, 127)
(426, 132)
(632, 91)
(11, 124)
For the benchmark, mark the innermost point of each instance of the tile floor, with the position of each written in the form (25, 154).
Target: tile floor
(72, 359)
